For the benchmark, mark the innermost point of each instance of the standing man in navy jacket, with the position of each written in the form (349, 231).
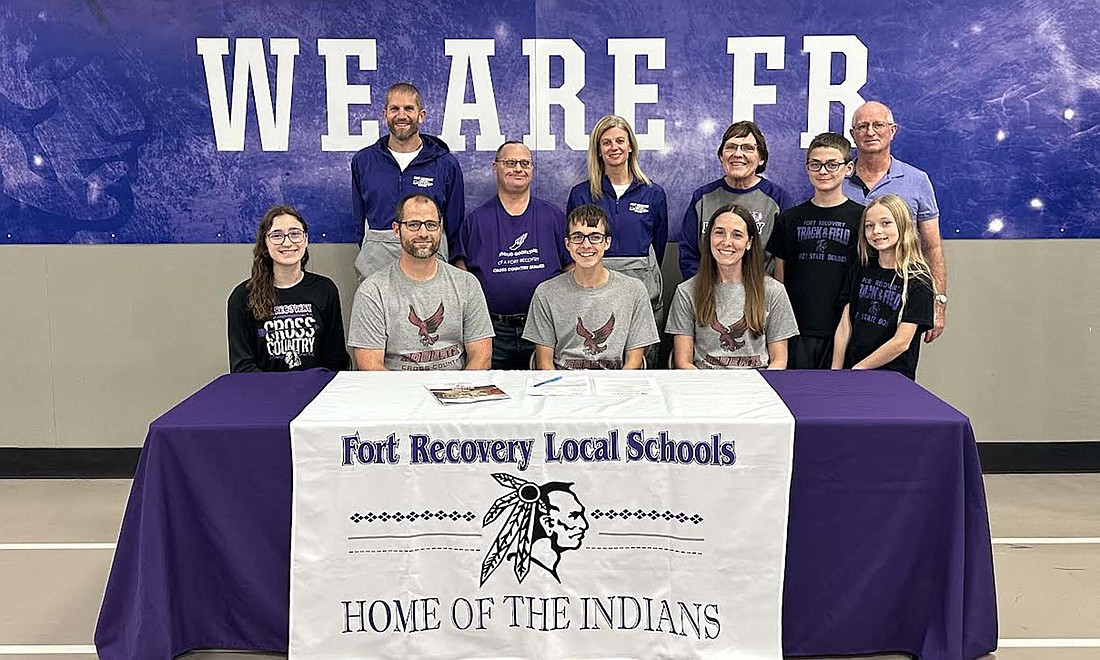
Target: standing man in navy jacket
(403, 162)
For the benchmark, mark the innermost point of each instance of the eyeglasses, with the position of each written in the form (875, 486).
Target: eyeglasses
(865, 126)
(415, 225)
(830, 165)
(595, 238)
(731, 148)
(511, 163)
(279, 237)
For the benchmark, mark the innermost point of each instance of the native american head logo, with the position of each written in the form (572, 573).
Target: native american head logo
(873, 309)
(292, 359)
(730, 337)
(594, 341)
(519, 242)
(429, 326)
(541, 524)
(822, 246)
(759, 218)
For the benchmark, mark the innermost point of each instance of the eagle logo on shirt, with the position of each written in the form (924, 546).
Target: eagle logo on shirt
(427, 328)
(730, 337)
(594, 341)
(519, 242)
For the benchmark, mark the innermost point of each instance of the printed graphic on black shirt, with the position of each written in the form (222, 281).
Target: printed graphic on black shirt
(875, 295)
(824, 240)
(879, 301)
(290, 333)
(542, 523)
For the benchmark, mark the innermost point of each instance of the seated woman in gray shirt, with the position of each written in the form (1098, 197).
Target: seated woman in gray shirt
(590, 317)
(730, 314)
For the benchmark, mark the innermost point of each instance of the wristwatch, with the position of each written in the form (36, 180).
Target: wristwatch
(941, 298)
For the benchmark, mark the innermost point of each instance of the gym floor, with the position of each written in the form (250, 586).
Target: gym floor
(57, 540)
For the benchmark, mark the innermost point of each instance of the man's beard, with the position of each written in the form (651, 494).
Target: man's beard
(403, 132)
(420, 252)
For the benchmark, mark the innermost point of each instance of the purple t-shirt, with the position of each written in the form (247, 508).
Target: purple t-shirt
(511, 255)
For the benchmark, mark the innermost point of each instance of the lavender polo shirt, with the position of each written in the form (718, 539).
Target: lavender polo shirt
(903, 180)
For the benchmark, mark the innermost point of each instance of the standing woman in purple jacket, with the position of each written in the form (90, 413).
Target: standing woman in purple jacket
(636, 208)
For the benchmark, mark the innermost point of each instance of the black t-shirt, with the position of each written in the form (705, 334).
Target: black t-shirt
(305, 331)
(817, 246)
(874, 296)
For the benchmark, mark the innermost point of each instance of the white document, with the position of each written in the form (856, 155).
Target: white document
(623, 386)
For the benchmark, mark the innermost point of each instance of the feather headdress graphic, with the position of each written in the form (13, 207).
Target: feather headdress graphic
(541, 523)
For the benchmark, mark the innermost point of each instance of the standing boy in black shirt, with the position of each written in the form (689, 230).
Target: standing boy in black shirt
(814, 244)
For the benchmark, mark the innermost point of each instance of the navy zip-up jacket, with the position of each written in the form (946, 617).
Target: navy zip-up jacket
(379, 184)
(638, 219)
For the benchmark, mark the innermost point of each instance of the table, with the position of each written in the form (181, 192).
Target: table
(888, 536)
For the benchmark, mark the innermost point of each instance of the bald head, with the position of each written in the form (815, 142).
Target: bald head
(874, 109)
(873, 128)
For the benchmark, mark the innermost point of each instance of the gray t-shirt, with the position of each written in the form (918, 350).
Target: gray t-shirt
(727, 344)
(591, 328)
(420, 325)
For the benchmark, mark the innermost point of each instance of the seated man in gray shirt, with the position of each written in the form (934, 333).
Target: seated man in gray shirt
(590, 317)
(419, 313)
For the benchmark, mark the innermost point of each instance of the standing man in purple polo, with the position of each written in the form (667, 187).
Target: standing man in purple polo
(878, 173)
(513, 243)
(401, 163)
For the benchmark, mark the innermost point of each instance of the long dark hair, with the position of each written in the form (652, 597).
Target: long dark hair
(261, 286)
(752, 274)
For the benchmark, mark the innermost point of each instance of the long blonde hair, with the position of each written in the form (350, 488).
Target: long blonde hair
(752, 274)
(908, 257)
(595, 163)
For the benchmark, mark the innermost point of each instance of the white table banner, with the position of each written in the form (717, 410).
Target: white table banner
(645, 523)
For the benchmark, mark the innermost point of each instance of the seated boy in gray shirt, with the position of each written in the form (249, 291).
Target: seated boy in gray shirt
(590, 317)
(420, 313)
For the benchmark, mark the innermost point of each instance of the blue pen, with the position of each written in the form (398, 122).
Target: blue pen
(547, 382)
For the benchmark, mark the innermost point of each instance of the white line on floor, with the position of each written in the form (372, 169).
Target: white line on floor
(57, 546)
(1042, 540)
(1078, 643)
(45, 649)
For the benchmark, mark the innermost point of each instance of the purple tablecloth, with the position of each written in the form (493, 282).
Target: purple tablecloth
(888, 545)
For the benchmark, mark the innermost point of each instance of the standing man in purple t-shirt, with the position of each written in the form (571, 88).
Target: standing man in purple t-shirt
(513, 243)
